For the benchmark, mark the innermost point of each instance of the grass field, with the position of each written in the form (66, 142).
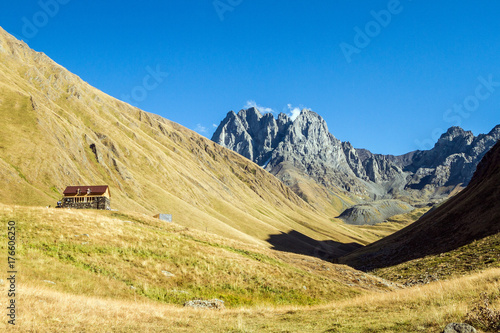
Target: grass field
(102, 271)
(420, 309)
(477, 256)
(130, 255)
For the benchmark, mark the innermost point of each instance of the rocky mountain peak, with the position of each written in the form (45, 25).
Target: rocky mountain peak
(495, 130)
(454, 133)
(283, 118)
(306, 146)
(309, 116)
(309, 126)
(252, 134)
(251, 116)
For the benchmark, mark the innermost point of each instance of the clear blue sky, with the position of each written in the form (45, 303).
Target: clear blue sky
(390, 91)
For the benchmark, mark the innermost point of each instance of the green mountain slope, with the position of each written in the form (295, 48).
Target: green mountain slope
(57, 131)
(479, 255)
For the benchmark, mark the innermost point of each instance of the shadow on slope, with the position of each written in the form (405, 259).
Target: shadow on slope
(472, 214)
(299, 243)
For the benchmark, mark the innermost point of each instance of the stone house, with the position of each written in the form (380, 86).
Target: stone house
(86, 197)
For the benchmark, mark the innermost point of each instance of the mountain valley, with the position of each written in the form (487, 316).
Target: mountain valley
(291, 229)
(59, 131)
(304, 155)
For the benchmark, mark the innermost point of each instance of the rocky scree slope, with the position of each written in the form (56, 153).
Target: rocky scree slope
(374, 212)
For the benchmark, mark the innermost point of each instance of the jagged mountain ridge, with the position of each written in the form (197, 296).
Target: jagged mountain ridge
(472, 214)
(307, 146)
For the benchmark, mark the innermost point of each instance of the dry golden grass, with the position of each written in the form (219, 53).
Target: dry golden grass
(420, 309)
(92, 290)
(126, 256)
(50, 117)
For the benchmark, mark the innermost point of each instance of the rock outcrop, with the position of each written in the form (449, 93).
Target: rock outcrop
(459, 328)
(374, 212)
(206, 304)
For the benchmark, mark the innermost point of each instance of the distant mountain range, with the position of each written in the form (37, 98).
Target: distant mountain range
(303, 150)
(57, 130)
(472, 214)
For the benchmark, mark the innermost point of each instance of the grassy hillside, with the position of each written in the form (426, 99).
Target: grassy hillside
(100, 270)
(477, 256)
(472, 214)
(125, 256)
(58, 131)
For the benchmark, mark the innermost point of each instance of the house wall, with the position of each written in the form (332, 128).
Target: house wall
(97, 203)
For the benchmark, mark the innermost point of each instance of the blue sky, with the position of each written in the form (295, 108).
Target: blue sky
(389, 76)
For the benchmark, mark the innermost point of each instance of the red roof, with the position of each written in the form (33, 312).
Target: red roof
(73, 190)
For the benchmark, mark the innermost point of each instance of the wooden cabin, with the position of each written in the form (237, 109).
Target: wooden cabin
(86, 197)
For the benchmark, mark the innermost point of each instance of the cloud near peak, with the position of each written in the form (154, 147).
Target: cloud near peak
(293, 112)
(200, 129)
(262, 109)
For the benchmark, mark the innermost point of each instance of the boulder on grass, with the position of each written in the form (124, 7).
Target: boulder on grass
(459, 328)
(206, 304)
